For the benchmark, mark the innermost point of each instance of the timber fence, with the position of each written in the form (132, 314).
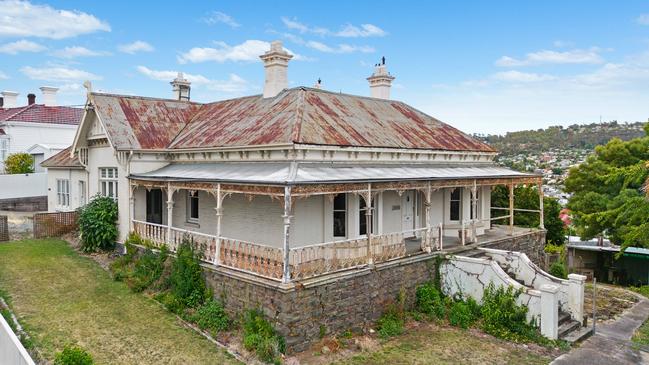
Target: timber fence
(4, 228)
(54, 224)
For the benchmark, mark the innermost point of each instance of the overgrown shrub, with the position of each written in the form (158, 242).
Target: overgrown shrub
(186, 280)
(558, 269)
(211, 317)
(503, 317)
(461, 315)
(430, 301)
(19, 163)
(260, 336)
(391, 323)
(73, 355)
(97, 223)
(147, 268)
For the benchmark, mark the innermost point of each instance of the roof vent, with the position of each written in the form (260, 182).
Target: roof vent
(181, 87)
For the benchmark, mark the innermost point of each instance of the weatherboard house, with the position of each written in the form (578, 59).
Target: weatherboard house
(318, 207)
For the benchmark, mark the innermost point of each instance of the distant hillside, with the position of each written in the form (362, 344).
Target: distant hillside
(585, 136)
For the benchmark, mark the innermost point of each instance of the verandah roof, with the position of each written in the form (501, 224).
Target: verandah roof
(296, 173)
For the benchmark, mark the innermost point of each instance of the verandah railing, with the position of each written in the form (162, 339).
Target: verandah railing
(304, 262)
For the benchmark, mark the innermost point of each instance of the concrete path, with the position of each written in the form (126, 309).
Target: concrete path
(611, 343)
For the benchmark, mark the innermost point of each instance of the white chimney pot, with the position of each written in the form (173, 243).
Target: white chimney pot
(380, 81)
(276, 65)
(49, 95)
(181, 87)
(10, 99)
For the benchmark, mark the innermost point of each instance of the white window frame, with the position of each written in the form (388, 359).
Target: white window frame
(191, 196)
(4, 149)
(450, 204)
(346, 215)
(63, 193)
(82, 193)
(108, 178)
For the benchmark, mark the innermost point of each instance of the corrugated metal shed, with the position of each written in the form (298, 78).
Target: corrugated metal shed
(295, 116)
(308, 173)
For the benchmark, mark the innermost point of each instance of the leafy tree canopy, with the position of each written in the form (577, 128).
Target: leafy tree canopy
(19, 163)
(527, 197)
(609, 193)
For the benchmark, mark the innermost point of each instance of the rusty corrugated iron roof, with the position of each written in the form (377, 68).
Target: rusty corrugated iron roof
(62, 160)
(295, 116)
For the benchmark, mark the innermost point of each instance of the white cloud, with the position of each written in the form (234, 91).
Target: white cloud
(517, 76)
(341, 48)
(575, 56)
(234, 84)
(249, 51)
(77, 51)
(643, 19)
(58, 73)
(218, 17)
(135, 47)
(24, 19)
(347, 31)
(22, 45)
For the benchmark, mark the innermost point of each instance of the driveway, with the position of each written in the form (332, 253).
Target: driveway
(611, 344)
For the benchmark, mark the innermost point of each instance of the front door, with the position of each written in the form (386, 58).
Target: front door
(154, 206)
(408, 212)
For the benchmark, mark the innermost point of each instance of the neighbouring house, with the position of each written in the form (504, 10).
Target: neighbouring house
(40, 129)
(317, 206)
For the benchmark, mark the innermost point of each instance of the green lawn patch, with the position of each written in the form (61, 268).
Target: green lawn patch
(65, 299)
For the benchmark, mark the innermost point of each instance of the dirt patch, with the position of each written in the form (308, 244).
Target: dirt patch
(611, 302)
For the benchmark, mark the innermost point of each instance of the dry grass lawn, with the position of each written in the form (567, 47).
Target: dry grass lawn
(63, 298)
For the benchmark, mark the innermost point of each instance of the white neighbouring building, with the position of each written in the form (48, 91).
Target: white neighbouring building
(291, 186)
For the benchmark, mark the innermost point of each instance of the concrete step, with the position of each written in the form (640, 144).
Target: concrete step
(568, 327)
(580, 334)
(563, 317)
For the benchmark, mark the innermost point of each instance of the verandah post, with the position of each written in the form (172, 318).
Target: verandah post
(511, 208)
(474, 209)
(219, 214)
(541, 215)
(427, 242)
(368, 224)
(286, 277)
(170, 212)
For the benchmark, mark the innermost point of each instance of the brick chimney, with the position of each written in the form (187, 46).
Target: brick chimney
(10, 99)
(380, 81)
(49, 95)
(31, 99)
(181, 87)
(276, 66)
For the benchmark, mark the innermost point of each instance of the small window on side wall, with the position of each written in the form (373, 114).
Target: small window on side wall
(455, 203)
(192, 206)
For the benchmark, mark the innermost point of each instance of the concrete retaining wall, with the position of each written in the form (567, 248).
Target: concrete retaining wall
(11, 350)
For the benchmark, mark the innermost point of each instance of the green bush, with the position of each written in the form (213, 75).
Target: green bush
(19, 163)
(390, 324)
(502, 317)
(430, 301)
(73, 355)
(211, 317)
(460, 315)
(260, 336)
(171, 302)
(186, 280)
(97, 223)
(558, 269)
(147, 268)
(644, 290)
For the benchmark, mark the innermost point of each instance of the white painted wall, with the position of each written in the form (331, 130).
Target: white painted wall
(11, 350)
(74, 176)
(23, 135)
(23, 185)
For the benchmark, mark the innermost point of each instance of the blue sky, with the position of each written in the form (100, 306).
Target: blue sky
(487, 67)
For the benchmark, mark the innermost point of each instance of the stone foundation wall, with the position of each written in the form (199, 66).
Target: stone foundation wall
(338, 302)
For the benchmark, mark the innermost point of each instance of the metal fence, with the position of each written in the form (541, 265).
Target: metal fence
(4, 228)
(54, 224)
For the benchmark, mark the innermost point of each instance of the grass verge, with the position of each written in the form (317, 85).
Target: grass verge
(62, 298)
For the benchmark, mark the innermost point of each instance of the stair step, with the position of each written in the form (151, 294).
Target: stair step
(568, 327)
(578, 335)
(563, 317)
(474, 253)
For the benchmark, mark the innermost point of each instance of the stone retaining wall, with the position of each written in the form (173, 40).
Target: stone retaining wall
(532, 244)
(338, 302)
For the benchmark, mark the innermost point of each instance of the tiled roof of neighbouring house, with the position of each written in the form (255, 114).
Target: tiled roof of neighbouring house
(295, 116)
(39, 113)
(62, 160)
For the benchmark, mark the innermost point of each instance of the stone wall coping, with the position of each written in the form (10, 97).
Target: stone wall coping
(549, 288)
(577, 278)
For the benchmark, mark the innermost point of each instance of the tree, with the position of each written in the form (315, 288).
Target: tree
(19, 163)
(607, 193)
(527, 197)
